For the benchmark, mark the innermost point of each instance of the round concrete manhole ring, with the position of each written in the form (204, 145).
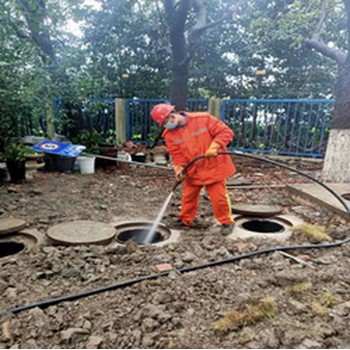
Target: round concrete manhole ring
(259, 210)
(16, 243)
(81, 232)
(346, 196)
(11, 225)
(262, 226)
(138, 231)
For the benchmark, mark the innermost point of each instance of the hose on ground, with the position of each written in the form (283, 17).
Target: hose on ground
(123, 284)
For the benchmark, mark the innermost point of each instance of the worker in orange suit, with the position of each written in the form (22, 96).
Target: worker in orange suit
(187, 136)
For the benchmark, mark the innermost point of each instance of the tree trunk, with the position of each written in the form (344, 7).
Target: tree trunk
(179, 86)
(337, 161)
(336, 166)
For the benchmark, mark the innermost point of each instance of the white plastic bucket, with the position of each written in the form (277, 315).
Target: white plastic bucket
(87, 165)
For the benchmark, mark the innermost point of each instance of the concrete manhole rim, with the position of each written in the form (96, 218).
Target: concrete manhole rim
(257, 210)
(287, 221)
(28, 240)
(169, 235)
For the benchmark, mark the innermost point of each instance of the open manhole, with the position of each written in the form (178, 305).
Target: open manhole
(10, 248)
(263, 226)
(346, 196)
(138, 231)
(16, 243)
(139, 236)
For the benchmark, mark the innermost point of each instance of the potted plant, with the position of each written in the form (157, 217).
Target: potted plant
(15, 158)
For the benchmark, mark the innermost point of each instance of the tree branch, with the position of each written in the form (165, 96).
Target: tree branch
(35, 17)
(321, 21)
(338, 55)
(201, 24)
(316, 43)
(169, 7)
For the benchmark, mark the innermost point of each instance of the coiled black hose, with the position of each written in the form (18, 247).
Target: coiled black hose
(50, 302)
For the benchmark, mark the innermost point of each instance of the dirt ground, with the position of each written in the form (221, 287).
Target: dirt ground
(267, 301)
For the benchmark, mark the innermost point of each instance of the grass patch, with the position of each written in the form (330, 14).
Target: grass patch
(319, 309)
(263, 309)
(301, 288)
(312, 233)
(329, 299)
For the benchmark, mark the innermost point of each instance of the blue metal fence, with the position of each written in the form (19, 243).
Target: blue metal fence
(139, 125)
(286, 127)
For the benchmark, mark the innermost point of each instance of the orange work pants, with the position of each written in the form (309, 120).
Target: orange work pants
(219, 198)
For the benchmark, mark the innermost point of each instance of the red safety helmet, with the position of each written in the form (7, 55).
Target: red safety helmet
(161, 111)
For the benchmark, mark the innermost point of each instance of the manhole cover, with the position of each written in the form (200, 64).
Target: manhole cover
(81, 232)
(10, 248)
(261, 210)
(263, 226)
(11, 225)
(139, 236)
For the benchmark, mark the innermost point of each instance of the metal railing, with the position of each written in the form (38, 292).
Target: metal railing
(286, 127)
(139, 125)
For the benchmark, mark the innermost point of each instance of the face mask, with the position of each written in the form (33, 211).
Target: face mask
(170, 125)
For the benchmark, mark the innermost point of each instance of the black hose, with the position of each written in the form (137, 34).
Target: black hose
(246, 155)
(50, 302)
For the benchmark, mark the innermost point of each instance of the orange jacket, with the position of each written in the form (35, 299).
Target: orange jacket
(193, 139)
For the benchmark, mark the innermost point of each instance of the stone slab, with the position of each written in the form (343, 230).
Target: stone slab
(261, 210)
(82, 232)
(321, 196)
(11, 225)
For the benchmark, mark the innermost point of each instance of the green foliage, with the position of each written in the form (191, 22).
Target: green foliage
(15, 152)
(128, 36)
(90, 139)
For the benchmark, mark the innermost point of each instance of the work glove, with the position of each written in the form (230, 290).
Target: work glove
(213, 149)
(178, 172)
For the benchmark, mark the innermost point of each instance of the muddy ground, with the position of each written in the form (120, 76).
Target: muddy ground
(301, 305)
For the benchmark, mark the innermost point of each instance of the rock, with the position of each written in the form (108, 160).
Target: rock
(137, 338)
(342, 309)
(164, 317)
(29, 344)
(149, 324)
(3, 286)
(310, 344)
(269, 339)
(11, 293)
(87, 325)
(296, 307)
(131, 247)
(73, 335)
(37, 317)
(94, 342)
(48, 250)
(164, 297)
(36, 191)
(147, 341)
(12, 190)
(188, 257)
